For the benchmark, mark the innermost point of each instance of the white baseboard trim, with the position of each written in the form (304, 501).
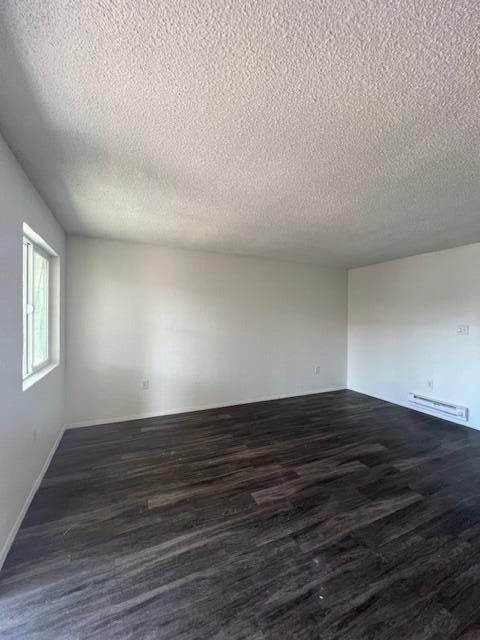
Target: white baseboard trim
(170, 412)
(11, 537)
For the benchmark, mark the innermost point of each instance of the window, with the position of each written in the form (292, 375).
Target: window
(37, 307)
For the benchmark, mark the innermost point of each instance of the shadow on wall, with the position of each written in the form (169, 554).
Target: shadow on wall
(201, 329)
(124, 337)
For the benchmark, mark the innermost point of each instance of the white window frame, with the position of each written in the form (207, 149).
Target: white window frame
(33, 244)
(30, 249)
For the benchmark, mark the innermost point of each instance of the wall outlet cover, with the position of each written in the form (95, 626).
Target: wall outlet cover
(463, 329)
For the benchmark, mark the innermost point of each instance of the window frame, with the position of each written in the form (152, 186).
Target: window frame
(33, 244)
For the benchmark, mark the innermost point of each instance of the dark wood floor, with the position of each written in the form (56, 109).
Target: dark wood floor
(334, 516)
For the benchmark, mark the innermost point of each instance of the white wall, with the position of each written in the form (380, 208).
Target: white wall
(205, 329)
(30, 421)
(403, 317)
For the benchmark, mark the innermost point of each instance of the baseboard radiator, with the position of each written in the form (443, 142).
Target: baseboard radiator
(447, 408)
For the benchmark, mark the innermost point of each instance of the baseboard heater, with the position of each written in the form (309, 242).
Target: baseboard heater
(447, 408)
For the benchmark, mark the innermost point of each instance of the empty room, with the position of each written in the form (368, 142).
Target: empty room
(240, 320)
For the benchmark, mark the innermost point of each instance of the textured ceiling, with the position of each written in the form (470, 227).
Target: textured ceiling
(343, 133)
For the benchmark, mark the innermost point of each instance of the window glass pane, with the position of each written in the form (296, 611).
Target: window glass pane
(25, 310)
(40, 309)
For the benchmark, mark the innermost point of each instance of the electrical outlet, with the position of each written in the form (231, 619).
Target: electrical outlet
(317, 371)
(146, 385)
(463, 329)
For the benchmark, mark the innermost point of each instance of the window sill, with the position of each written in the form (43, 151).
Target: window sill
(38, 375)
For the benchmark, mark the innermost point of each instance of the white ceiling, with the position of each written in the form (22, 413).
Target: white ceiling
(343, 133)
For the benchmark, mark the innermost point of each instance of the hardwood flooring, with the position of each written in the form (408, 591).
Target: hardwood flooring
(332, 516)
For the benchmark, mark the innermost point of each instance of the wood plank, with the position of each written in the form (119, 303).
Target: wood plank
(329, 516)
